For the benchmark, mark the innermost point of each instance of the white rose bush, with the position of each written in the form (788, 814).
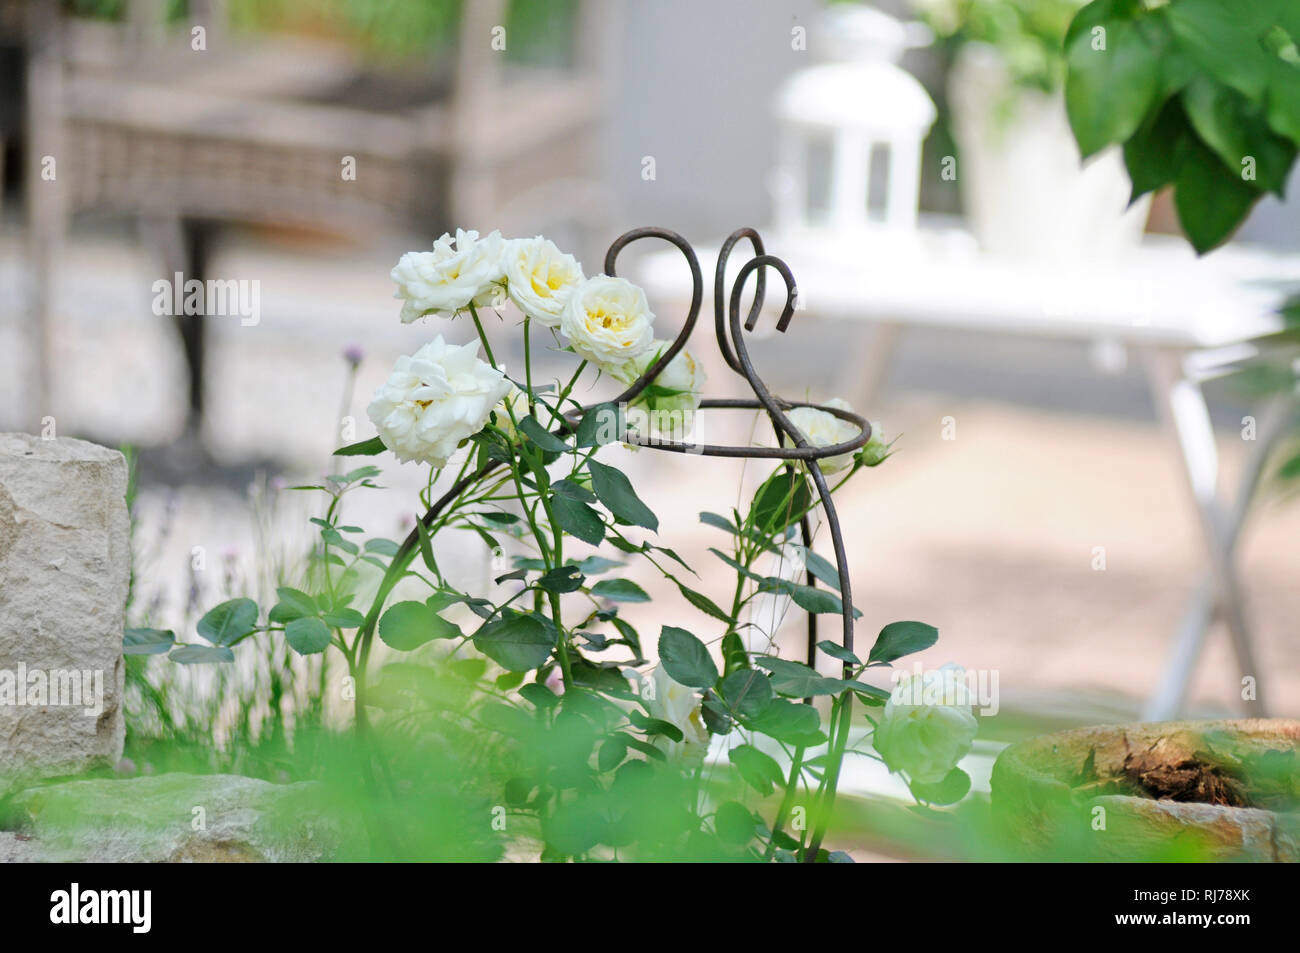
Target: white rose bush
(572, 739)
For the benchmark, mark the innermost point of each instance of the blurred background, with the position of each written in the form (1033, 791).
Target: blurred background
(963, 281)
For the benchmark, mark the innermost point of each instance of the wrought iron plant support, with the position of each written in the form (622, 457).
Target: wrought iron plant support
(791, 445)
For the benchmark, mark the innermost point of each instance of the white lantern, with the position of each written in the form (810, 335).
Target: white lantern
(850, 133)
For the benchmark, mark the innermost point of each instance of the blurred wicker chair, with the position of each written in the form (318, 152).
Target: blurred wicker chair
(256, 130)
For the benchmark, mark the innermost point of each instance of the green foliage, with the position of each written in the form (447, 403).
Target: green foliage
(1203, 95)
(1027, 33)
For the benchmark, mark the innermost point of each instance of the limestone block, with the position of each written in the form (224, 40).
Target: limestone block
(64, 567)
(176, 818)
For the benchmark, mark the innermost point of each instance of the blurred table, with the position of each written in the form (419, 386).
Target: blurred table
(1190, 320)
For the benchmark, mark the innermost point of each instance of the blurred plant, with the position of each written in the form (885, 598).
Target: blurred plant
(1027, 33)
(1204, 96)
(582, 751)
(539, 32)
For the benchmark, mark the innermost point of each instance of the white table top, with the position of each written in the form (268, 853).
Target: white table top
(1156, 293)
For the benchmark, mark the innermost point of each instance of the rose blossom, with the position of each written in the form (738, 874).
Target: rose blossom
(822, 429)
(927, 725)
(540, 278)
(445, 280)
(678, 705)
(669, 404)
(434, 399)
(608, 321)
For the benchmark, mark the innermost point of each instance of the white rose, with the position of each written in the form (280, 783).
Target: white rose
(683, 707)
(666, 407)
(434, 399)
(444, 281)
(927, 725)
(540, 278)
(608, 321)
(821, 429)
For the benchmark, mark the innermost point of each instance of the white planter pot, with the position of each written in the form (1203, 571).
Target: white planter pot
(1024, 189)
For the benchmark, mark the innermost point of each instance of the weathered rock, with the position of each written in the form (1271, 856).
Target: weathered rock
(64, 566)
(177, 818)
(1064, 793)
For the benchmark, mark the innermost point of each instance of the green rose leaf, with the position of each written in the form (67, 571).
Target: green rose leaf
(747, 692)
(201, 654)
(703, 603)
(614, 489)
(578, 519)
(229, 621)
(797, 679)
(902, 638)
(293, 604)
(366, 448)
(685, 658)
(547, 441)
(307, 636)
(759, 769)
(619, 590)
(782, 499)
(837, 651)
(147, 641)
(950, 790)
(561, 579)
(734, 823)
(790, 722)
(573, 491)
(408, 625)
(344, 618)
(518, 643)
(600, 425)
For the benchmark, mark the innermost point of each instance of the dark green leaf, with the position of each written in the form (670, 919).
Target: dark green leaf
(201, 654)
(734, 824)
(539, 435)
(902, 638)
(1109, 90)
(797, 679)
(759, 769)
(950, 790)
(615, 491)
(747, 692)
(229, 621)
(836, 651)
(366, 448)
(293, 604)
(600, 425)
(619, 590)
(307, 636)
(147, 641)
(408, 625)
(790, 722)
(703, 603)
(561, 579)
(518, 643)
(1211, 201)
(685, 658)
(578, 519)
